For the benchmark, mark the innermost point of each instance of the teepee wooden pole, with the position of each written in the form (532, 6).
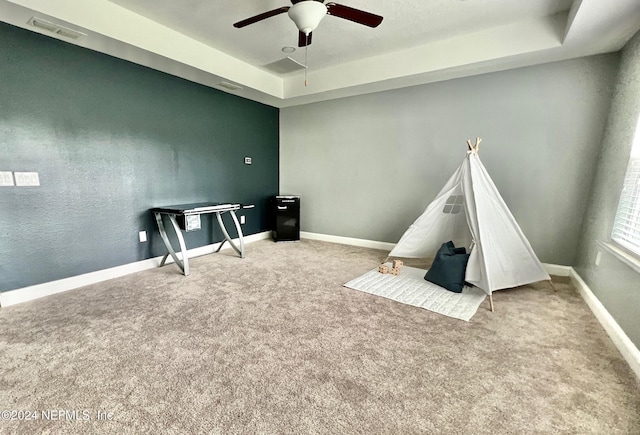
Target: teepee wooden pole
(491, 302)
(475, 148)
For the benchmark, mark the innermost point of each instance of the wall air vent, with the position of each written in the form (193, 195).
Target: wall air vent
(55, 28)
(229, 86)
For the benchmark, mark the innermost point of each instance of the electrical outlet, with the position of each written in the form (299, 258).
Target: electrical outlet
(143, 236)
(242, 219)
(247, 160)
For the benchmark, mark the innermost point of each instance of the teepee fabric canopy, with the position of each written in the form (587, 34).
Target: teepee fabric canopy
(470, 212)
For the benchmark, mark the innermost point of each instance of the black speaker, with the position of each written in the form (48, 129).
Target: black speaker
(286, 218)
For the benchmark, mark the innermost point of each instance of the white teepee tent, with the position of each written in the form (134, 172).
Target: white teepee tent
(470, 211)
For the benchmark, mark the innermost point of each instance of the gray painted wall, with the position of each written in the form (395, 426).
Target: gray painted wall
(615, 284)
(367, 166)
(111, 139)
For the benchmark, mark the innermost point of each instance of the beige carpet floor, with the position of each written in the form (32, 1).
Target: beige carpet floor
(274, 344)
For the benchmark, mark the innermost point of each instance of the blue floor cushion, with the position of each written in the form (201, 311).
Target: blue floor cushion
(448, 267)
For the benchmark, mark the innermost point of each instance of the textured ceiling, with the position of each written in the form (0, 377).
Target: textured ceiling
(335, 41)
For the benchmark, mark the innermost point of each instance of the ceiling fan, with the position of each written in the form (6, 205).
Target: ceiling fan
(307, 14)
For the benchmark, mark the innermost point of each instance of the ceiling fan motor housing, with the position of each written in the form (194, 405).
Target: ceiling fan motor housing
(307, 15)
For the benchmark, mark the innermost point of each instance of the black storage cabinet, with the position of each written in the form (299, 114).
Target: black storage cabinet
(286, 218)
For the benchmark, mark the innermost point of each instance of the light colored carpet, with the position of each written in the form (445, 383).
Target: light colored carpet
(410, 287)
(274, 344)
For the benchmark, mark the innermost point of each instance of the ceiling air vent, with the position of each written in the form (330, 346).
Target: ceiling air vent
(284, 66)
(55, 28)
(229, 86)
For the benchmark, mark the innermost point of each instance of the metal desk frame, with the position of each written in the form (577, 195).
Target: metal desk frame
(196, 209)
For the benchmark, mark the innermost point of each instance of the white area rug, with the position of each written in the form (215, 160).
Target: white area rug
(411, 288)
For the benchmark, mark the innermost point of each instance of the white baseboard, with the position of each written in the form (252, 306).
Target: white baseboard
(49, 288)
(623, 343)
(348, 241)
(627, 348)
(552, 269)
(557, 269)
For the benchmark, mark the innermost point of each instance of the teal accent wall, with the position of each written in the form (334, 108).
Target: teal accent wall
(110, 140)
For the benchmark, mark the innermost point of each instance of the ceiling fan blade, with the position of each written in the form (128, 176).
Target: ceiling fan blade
(261, 17)
(355, 15)
(304, 40)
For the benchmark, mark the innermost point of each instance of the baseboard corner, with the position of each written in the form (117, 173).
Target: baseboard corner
(557, 269)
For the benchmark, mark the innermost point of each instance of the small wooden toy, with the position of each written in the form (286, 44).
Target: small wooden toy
(395, 271)
(383, 268)
(397, 264)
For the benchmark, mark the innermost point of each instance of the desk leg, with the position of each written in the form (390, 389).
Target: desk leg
(184, 264)
(226, 234)
(239, 230)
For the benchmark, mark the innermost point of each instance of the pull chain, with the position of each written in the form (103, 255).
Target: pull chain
(306, 63)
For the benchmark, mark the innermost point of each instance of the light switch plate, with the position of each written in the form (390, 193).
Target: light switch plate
(27, 179)
(6, 178)
(247, 160)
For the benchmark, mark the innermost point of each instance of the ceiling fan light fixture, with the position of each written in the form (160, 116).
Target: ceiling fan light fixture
(307, 15)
